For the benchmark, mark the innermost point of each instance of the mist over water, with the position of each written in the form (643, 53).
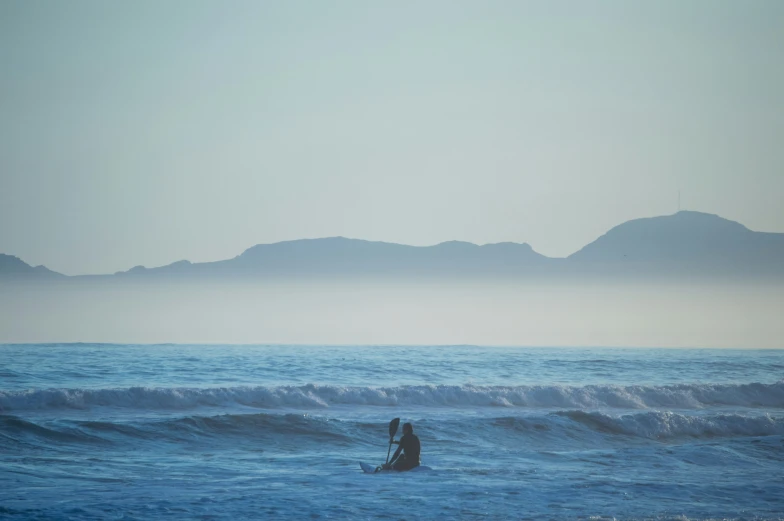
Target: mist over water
(368, 312)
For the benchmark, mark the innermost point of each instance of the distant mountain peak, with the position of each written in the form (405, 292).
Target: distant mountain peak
(687, 237)
(13, 266)
(168, 267)
(338, 241)
(695, 221)
(710, 219)
(454, 245)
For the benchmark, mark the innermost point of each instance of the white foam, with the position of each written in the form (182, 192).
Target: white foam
(695, 396)
(665, 425)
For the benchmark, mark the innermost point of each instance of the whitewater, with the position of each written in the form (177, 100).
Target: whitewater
(110, 431)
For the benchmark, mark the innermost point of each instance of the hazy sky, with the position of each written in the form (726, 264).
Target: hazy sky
(146, 132)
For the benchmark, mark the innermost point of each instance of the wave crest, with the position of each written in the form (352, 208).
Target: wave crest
(667, 425)
(282, 430)
(695, 396)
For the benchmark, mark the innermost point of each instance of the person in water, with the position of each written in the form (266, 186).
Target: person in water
(409, 446)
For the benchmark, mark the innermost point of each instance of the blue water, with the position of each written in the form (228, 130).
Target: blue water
(267, 432)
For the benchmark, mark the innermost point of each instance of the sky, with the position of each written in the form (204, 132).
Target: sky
(148, 132)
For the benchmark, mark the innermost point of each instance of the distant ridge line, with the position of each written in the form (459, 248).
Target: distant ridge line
(685, 243)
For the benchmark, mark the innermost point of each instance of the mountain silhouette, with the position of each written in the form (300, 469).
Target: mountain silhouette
(14, 267)
(686, 243)
(339, 256)
(692, 242)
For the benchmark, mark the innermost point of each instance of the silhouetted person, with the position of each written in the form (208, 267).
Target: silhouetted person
(409, 446)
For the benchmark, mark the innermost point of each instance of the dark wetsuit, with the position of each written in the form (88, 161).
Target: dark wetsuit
(409, 444)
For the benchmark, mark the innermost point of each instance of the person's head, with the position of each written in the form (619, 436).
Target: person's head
(408, 428)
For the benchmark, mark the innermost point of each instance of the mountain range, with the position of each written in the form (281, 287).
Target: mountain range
(687, 243)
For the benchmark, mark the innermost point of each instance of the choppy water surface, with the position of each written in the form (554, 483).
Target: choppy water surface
(235, 432)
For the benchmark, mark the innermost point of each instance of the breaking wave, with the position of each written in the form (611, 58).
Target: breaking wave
(280, 430)
(319, 397)
(666, 425)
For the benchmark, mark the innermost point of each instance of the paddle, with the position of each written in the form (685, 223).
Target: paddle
(392, 431)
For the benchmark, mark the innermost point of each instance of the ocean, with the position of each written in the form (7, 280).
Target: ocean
(141, 432)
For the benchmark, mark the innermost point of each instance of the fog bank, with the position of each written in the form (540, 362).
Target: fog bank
(321, 313)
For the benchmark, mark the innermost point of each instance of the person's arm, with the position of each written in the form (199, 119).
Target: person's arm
(397, 453)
